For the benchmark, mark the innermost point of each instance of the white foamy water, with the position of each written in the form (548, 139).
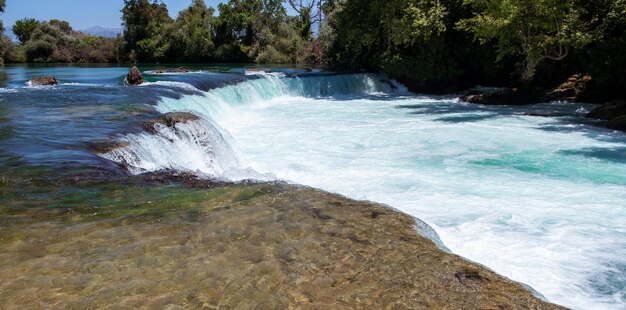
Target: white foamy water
(540, 201)
(195, 146)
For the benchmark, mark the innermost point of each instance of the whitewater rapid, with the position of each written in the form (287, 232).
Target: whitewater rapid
(541, 200)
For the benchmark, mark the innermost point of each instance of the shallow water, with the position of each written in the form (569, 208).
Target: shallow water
(541, 200)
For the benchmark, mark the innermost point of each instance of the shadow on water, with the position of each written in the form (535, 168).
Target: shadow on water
(564, 117)
(465, 118)
(615, 154)
(449, 106)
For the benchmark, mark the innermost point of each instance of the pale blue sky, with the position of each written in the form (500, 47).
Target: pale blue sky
(81, 14)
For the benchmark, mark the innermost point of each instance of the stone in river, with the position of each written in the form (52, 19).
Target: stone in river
(44, 81)
(134, 77)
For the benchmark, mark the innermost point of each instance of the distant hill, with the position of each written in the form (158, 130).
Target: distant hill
(103, 32)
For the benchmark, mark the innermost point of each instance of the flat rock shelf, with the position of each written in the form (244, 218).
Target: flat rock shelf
(247, 246)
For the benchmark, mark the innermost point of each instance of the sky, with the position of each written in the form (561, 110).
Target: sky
(81, 14)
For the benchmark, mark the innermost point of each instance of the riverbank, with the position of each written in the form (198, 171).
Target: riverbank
(268, 245)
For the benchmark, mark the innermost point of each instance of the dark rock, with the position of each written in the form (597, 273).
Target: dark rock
(182, 70)
(571, 90)
(543, 114)
(614, 112)
(574, 89)
(170, 120)
(609, 110)
(106, 146)
(44, 81)
(468, 276)
(506, 96)
(617, 123)
(174, 118)
(185, 178)
(175, 70)
(134, 77)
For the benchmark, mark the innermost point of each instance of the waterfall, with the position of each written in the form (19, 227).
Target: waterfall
(202, 146)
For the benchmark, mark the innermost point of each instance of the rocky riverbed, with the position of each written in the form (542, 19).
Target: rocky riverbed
(271, 246)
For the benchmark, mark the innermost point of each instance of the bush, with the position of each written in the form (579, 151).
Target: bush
(39, 50)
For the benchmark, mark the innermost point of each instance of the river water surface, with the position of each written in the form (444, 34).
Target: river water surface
(536, 193)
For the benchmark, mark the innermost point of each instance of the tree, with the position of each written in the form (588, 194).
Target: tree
(147, 29)
(44, 41)
(195, 31)
(24, 28)
(601, 26)
(243, 24)
(2, 39)
(536, 29)
(64, 26)
(309, 11)
(11, 52)
(2, 6)
(411, 40)
(283, 45)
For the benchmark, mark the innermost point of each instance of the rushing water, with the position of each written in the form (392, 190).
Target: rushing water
(539, 199)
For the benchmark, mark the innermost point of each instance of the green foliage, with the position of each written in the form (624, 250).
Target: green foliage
(147, 29)
(194, 31)
(603, 57)
(408, 39)
(3, 45)
(62, 25)
(308, 12)
(241, 21)
(24, 28)
(537, 29)
(11, 52)
(282, 46)
(2, 5)
(43, 43)
(56, 41)
(41, 49)
(420, 21)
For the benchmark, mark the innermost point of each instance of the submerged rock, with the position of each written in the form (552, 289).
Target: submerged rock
(106, 146)
(174, 118)
(613, 112)
(170, 120)
(609, 110)
(175, 70)
(134, 77)
(44, 81)
(270, 246)
(182, 70)
(617, 123)
(505, 96)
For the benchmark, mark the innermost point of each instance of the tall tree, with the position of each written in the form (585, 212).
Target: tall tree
(602, 25)
(406, 38)
(195, 31)
(241, 21)
(24, 28)
(3, 40)
(2, 6)
(536, 29)
(308, 11)
(147, 29)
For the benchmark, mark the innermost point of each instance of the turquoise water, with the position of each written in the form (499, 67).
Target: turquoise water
(539, 199)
